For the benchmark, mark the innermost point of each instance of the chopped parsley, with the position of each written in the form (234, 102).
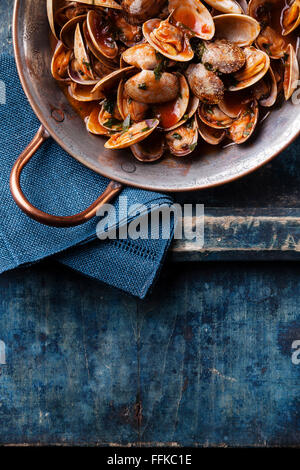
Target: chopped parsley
(161, 67)
(126, 123)
(193, 146)
(112, 122)
(108, 106)
(142, 86)
(177, 136)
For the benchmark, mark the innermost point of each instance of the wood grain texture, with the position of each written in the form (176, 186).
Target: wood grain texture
(206, 360)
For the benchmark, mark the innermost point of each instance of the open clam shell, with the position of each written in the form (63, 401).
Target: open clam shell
(128, 34)
(84, 93)
(272, 43)
(137, 12)
(150, 149)
(234, 102)
(191, 110)
(256, 67)
(92, 123)
(206, 85)
(193, 16)
(214, 117)
(183, 140)
(109, 116)
(266, 90)
(135, 134)
(291, 17)
(243, 127)
(108, 65)
(52, 7)
(60, 63)
(67, 34)
(81, 56)
(112, 80)
(127, 106)
(143, 56)
(144, 87)
(171, 113)
(100, 3)
(225, 6)
(209, 134)
(169, 40)
(101, 35)
(291, 73)
(241, 30)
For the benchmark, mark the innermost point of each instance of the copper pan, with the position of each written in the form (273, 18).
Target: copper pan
(208, 168)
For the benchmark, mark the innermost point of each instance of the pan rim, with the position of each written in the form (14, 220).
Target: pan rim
(34, 105)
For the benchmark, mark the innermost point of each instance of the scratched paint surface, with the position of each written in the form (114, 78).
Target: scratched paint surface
(206, 360)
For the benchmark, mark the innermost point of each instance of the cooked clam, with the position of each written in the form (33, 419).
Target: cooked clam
(142, 10)
(52, 7)
(226, 6)
(142, 56)
(171, 113)
(146, 88)
(243, 127)
(205, 85)
(257, 65)
(100, 3)
(107, 65)
(60, 62)
(150, 149)
(127, 106)
(67, 34)
(241, 30)
(69, 11)
(194, 17)
(234, 102)
(135, 134)
(168, 39)
(92, 123)
(189, 113)
(183, 140)
(211, 135)
(109, 116)
(266, 90)
(272, 43)
(261, 10)
(125, 32)
(101, 35)
(223, 56)
(156, 74)
(291, 17)
(291, 73)
(212, 116)
(111, 81)
(84, 93)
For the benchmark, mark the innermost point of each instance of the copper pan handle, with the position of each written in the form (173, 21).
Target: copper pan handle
(47, 219)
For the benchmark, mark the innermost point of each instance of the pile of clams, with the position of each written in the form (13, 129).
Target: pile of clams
(158, 75)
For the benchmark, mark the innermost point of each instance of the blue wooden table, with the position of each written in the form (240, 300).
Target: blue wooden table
(207, 359)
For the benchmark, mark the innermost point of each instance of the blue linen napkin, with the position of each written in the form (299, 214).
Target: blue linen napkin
(57, 183)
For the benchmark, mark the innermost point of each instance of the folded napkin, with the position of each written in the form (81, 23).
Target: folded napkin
(55, 182)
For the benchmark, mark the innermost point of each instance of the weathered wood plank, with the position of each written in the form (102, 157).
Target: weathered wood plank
(205, 360)
(243, 234)
(71, 369)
